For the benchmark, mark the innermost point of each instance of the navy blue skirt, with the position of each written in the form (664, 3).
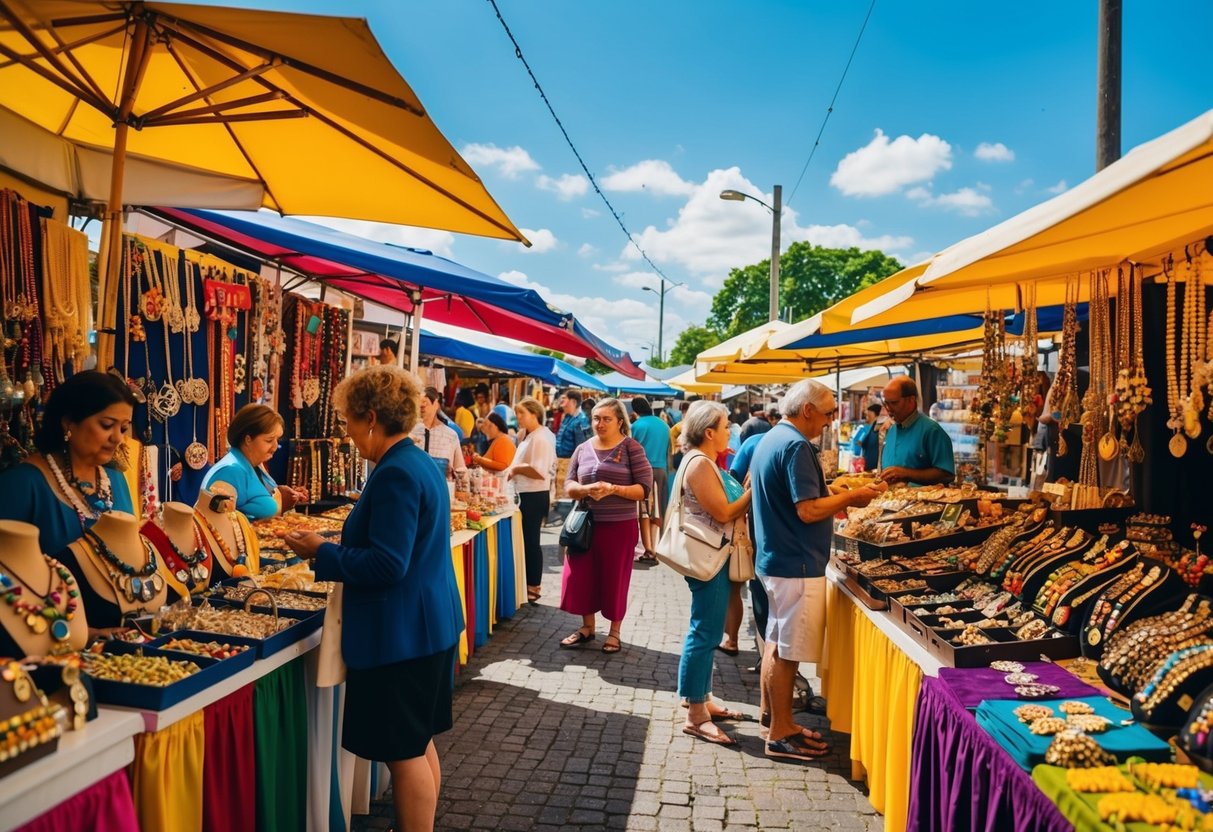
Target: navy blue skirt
(394, 710)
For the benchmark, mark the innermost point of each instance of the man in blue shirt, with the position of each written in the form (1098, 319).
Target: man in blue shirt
(574, 429)
(916, 449)
(654, 436)
(793, 511)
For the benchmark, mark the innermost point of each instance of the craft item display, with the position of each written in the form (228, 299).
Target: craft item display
(286, 599)
(1101, 779)
(210, 649)
(1074, 749)
(225, 621)
(135, 669)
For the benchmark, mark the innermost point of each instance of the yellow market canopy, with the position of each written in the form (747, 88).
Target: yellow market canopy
(1155, 199)
(228, 108)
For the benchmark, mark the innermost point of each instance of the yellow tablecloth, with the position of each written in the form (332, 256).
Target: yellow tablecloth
(871, 688)
(167, 776)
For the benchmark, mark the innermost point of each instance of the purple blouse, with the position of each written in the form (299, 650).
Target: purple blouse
(625, 464)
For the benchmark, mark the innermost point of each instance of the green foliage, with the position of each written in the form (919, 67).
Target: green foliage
(811, 278)
(545, 351)
(692, 341)
(596, 368)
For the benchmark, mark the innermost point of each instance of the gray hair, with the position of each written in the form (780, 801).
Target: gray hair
(804, 392)
(700, 416)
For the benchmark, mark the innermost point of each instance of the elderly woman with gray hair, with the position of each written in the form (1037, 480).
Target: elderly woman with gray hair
(719, 499)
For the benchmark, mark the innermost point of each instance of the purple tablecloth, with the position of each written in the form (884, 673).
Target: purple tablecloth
(961, 779)
(970, 685)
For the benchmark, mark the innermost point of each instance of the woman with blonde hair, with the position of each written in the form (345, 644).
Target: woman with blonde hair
(612, 473)
(401, 611)
(531, 473)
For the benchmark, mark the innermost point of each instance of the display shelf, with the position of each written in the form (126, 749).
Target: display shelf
(84, 757)
(915, 650)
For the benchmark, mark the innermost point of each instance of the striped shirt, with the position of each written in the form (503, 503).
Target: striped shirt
(625, 464)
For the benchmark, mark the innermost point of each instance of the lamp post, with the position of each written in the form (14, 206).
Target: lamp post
(776, 211)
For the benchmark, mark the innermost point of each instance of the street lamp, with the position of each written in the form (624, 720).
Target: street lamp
(776, 211)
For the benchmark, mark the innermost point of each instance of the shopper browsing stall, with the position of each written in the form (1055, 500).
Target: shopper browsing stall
(253, 438)
(531, 473)
(865, 444)
(793, 512)
(501, 450)
(916, 449)
(71, 481)
(654, 436)
(401, 612)
(435, 437)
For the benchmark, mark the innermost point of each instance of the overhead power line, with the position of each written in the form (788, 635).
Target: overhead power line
(834, 100)
(518, 54)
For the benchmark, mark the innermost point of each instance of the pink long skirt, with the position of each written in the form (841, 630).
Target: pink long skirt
(598, 580)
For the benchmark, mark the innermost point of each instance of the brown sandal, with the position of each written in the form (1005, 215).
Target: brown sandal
(607, 647)
(577, 638)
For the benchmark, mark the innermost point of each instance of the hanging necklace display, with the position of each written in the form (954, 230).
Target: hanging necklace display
(1066, 411)
(314, 336)
(151, 300)
(1029, 378)
(195, 455)
(40, 618)
(1095, 400)
(1133, 394)
(142, 584)
(237, 566)
(167, 403)
(174, 314)
(1194, 335)
(1178, 445)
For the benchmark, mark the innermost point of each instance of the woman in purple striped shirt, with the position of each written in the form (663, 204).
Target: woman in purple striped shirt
(613, 473)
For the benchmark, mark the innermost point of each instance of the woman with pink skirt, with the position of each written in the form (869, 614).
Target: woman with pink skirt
(612, 472)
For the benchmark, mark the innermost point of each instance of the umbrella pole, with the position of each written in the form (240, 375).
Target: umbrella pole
(107, 323)
(415, 341)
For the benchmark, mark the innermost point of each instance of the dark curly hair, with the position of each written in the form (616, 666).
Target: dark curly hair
(85, 394)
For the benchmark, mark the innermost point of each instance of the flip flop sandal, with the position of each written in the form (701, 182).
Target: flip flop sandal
(716, 739)
(533, 595)
(607, 647)
(728, 651)
(797, 747)
(724, 715)
(579, 637)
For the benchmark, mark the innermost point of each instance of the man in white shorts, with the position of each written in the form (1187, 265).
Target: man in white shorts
(793, 513)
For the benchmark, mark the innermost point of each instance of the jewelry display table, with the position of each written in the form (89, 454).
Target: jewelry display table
(83, 759)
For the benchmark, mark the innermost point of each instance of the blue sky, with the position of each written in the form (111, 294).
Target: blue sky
(955, 116)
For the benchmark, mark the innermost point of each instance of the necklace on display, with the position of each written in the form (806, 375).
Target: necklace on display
(99, 496)
(40, 618)
(1178, 445)
(141, 584)
(190, 570)
(238, 565)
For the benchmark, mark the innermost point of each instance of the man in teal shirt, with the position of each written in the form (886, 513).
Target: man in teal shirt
(917, 450)
(654, 436)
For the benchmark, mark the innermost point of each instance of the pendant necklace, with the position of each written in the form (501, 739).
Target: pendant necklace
(1178, 445)
(46, 615)
(141, 584)
(100, 498)
(238, 566)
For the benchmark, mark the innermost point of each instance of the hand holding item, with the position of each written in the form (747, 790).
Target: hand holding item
(598, 490)
(895, 474)
(304, 544)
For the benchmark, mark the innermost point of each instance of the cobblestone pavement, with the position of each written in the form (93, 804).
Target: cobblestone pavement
(548, 739)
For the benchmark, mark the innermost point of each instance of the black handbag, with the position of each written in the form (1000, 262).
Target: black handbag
(578, 530)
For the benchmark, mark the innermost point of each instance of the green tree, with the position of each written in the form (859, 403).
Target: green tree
(692, 341)
(596, 368)
(811, 278)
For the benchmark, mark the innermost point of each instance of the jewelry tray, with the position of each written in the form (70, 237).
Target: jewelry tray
(152, 698)
(308, 623)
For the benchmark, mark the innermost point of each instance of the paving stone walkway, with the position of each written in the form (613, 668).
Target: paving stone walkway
(548, 739)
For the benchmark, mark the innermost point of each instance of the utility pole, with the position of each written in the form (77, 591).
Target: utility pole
(1107, 130)
(777, 210)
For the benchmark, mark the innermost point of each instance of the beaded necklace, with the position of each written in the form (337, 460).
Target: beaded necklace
(141, 584)
(237, 566)
(47, 615)
(103, 500)
(190, 570)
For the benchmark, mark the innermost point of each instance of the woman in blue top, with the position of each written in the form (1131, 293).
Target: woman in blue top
(401, 611)
(252, 440)
(865, 444)
(64, 487)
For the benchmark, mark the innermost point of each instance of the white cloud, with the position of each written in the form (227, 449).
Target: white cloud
(654, 176)
(590, 213)
(629, 322)
(611, 267)
(710, 236)
(883, 167)
(996, 152)
(967, 201)
(427, 239)
(569, 186)
(1023, 186)
(542, 240)
(587, 250)
(1060, 188)
(510, 162)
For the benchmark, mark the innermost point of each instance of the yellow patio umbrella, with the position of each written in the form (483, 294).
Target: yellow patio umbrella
(741, 345)
(206, 107)
(686, 382)
(1153, 201)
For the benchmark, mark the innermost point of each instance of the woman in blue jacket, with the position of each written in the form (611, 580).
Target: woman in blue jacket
(401, 616)
(252, 440)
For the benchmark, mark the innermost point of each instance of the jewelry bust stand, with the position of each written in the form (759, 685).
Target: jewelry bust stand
(45, 615)
(226, 534)
(120, 567)
(185, 564)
